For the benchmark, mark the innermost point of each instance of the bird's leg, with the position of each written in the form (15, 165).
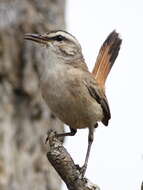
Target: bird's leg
(71, 133)
(90, 140)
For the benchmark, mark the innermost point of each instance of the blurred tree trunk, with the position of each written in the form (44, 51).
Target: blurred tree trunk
(24, 117)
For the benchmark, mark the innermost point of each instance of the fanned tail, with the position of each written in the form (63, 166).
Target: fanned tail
(106, 58)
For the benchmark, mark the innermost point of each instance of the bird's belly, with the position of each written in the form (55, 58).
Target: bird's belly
(74, 109)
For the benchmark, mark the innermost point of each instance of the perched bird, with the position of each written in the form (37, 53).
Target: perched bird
(76, 96)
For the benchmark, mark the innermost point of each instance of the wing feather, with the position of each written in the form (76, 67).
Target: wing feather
(100, 97)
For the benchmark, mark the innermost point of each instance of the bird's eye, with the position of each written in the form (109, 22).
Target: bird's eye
(59, 38)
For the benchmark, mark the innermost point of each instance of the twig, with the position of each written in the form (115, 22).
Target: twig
(65, 167)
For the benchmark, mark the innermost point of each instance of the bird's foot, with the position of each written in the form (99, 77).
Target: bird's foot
(49, 133)
(83, 170)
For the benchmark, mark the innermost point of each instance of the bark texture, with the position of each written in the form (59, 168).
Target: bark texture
(24, 117)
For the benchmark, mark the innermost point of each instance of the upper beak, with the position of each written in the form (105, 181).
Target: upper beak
(36, 38)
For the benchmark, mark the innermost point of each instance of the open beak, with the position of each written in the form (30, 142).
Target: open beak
(36, 38)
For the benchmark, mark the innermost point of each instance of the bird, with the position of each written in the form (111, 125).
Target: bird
(74, 94)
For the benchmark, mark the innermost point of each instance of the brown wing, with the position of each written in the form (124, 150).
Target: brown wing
(100, 97)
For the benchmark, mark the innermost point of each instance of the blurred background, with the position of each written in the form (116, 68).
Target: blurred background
(116, 160)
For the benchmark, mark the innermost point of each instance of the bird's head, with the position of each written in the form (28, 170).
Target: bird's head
(61, 43)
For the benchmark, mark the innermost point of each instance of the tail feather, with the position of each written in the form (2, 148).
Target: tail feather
(106, 58)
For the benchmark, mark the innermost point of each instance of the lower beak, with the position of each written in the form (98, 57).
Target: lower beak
(36, 38)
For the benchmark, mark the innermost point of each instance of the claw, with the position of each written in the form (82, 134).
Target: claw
(46, 140)
(83, 170)
(49, 133)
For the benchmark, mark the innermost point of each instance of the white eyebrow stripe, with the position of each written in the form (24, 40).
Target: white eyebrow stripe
(65, 34)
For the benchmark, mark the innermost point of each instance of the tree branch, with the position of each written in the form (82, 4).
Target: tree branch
(65, 167)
